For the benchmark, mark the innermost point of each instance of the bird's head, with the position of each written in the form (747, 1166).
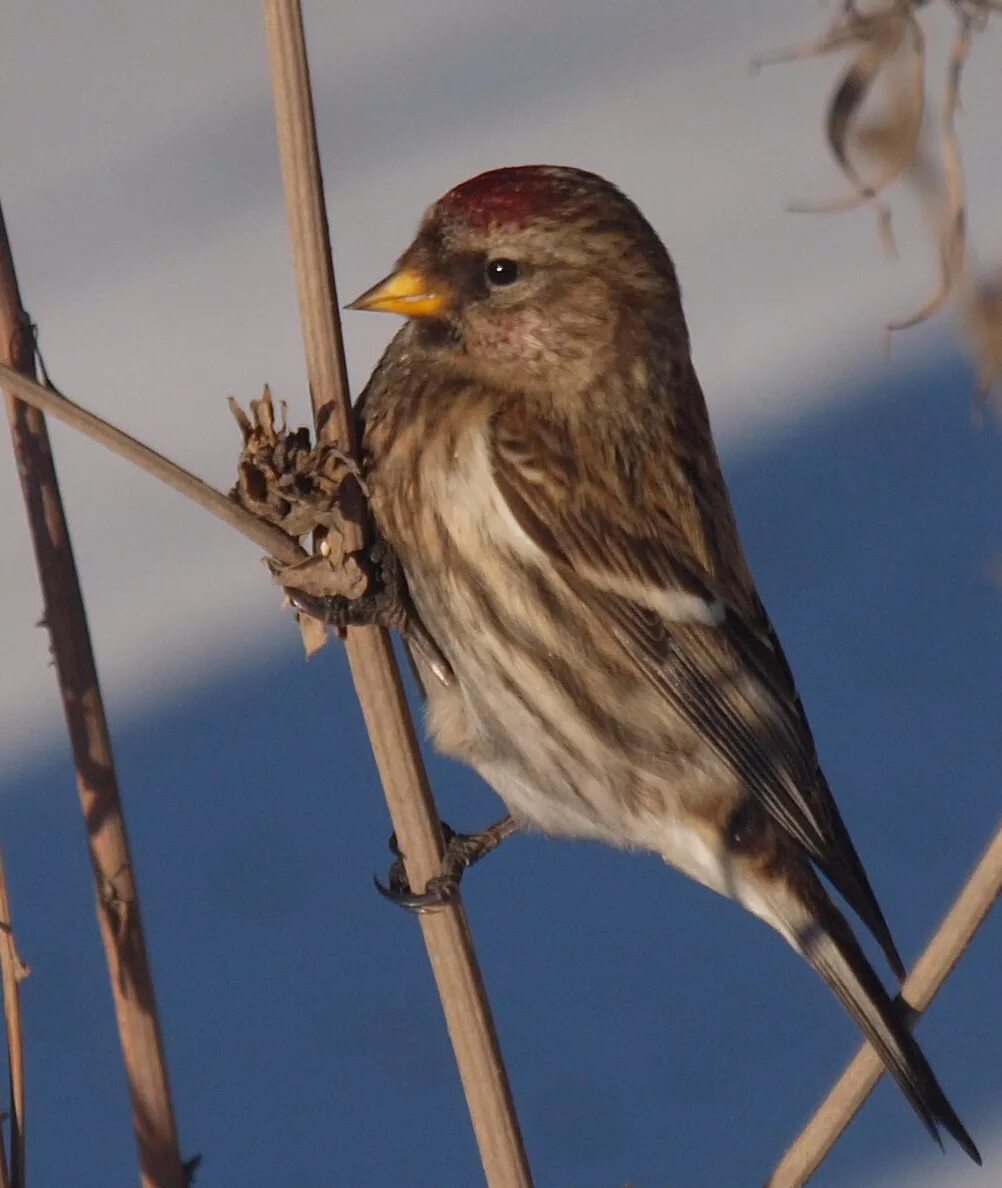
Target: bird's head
(537, 278)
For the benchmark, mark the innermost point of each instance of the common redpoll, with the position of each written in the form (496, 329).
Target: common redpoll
(539, 457)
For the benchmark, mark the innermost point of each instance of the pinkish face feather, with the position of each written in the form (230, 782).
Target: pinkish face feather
(509, 196)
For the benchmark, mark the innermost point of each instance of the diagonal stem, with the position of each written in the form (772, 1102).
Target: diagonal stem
(962, 921)
(377, 679)
(13, 972)
(117, 897)
(270, 538)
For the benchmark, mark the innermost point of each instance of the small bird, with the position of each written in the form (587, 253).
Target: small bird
(540, 460)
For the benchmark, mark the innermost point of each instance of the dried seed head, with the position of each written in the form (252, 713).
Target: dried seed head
(302, 488)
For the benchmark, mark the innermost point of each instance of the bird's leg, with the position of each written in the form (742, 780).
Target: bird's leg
(462, 850)
(386, 604)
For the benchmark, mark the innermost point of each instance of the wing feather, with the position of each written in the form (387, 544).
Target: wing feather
(722, 670)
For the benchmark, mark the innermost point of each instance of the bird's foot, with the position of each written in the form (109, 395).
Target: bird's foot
(462, 850)
(386, 603)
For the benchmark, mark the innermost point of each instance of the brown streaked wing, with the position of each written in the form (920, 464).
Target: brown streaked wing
(772, 753)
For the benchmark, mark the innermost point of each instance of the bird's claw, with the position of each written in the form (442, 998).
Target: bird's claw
(462, 850)
(336, 610)
(386, 604)
(438, 893)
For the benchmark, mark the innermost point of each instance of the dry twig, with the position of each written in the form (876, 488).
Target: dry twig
(273, 540)
(14, 971)
(377, 681)
(931, 970)
(117, 902)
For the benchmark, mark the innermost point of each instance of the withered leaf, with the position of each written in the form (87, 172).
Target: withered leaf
(317, 577)
(877, 34)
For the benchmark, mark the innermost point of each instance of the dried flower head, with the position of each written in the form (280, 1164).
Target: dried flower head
(303, 488)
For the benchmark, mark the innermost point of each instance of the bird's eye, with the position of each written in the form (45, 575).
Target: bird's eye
(501, 272)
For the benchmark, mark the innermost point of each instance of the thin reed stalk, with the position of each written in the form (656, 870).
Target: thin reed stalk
(961, 922)
(374, 670)
(117, 896)
(13, 971)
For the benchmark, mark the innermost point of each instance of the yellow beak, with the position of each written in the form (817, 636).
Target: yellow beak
(407, 292)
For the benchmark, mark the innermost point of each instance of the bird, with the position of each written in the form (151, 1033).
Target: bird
(539, 458)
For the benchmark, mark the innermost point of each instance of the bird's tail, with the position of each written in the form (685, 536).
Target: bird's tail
(817, 930)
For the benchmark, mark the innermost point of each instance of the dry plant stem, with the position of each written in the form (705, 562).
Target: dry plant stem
(13, 970)
(377, 680)
(117, 902)
(273, 540)
(931, 970)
